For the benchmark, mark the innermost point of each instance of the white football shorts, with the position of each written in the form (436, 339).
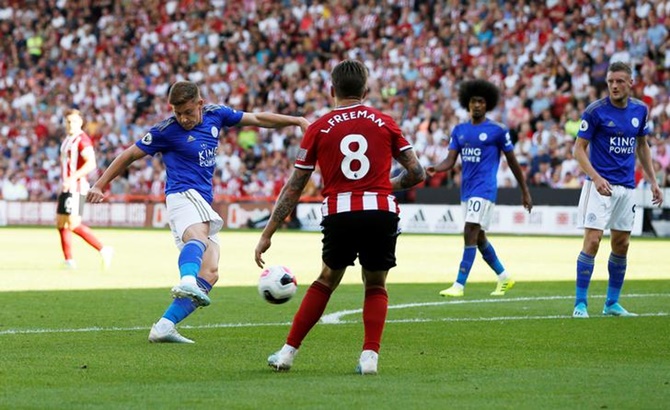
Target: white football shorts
(478, 211)
(189, 208)
(606, 212)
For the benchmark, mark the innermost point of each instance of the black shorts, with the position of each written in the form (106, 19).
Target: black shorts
(70, 204)
(370, 236)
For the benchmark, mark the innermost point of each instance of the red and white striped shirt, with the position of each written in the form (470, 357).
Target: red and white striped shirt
(354, 147)
(71, 160)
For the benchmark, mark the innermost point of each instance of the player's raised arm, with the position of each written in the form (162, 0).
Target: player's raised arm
(120, 163)
(273, 120)
(411, 175)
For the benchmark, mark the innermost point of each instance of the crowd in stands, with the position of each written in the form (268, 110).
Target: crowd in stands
(115, 59)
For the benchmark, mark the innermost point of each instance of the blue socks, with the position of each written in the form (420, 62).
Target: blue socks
(469, 253)
(489, 255)
(617, 270)
(182, 307)
(584, 271)
(190, 258)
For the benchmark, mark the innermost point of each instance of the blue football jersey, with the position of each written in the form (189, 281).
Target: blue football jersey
(190, 156)
(479, 147)
(612, 133)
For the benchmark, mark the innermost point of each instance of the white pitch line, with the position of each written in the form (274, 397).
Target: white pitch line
(335, 318)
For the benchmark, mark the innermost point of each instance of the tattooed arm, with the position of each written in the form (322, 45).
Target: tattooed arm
(288, 199)
(411, 175)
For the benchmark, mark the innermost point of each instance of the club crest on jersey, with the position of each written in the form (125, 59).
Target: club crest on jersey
(635, 122)
(147, 139)
(583, 126)
(215, 132)
(483, 136)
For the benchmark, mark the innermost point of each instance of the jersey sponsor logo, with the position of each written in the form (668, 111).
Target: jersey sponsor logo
(147, 139)
(302, 154)
(207, 156)
(483, 136)
(622, 145)
(215, 132)
(471, 154)
(583, 126)
(635, 122)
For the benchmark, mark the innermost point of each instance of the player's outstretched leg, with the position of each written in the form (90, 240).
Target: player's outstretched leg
(190, 261)
(165, 331)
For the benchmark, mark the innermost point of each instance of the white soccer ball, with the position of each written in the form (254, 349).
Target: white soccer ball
(277, 284)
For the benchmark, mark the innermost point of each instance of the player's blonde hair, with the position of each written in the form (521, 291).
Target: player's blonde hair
(73, 111)
(182, 92)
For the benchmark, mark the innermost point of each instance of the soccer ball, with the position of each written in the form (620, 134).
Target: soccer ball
(277, 284)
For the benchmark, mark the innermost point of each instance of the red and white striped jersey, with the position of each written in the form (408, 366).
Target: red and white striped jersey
(71, 159)
(354, 147)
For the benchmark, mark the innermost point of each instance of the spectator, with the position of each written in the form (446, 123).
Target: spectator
(14, 188)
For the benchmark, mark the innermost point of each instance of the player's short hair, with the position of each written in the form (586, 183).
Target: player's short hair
(182, 92)
(478, 88)
(73, 111)
(619, 66)
(350, 79)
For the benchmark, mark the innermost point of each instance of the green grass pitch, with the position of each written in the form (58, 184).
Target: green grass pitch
(79, 341)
